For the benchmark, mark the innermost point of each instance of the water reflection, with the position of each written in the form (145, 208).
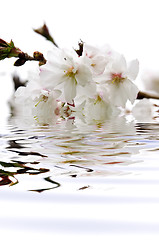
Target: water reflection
(70, 148)
(48, 179)
(8, 177)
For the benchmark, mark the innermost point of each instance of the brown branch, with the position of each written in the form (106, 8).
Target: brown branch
(8, 50)
(23, 57)
(142, 95)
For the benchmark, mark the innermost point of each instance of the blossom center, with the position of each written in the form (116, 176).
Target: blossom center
(117, 77)
(70, 72)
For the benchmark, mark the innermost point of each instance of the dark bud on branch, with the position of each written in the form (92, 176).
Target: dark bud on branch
(23, 57)
(80, 50)
(8, 50)
(21, 60)
(44, 31)
(39, 57)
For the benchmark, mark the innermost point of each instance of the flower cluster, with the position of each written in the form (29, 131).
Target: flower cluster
(94, 84)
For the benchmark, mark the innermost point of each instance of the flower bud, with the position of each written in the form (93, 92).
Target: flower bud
(79, 51)
(39, 57)
(8, 50)
(44, 31)
(20, 62)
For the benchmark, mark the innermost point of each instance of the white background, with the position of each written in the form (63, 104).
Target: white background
(130, 27)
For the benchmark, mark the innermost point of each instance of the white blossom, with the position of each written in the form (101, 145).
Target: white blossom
(95, 58)
(35, 101)
(118, 79)
(91, 86)
(65, 71)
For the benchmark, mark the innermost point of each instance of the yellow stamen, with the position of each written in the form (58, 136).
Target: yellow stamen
(44, 98)
(70, 72)
(117, 78)
(98, 99)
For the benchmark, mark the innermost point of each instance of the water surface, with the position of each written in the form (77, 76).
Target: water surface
(74, 179)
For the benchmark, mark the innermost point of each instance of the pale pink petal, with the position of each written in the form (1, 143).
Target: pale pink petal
(70, 90)
(99, 64)
(89, 90)
(83, 75)
(56, 93)
(119, 64)
(133, 69)
(130, 89)
(50, 79)
(89, 50)
(117, 95)
(120, 93)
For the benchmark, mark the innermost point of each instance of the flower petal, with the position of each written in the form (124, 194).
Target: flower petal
(133, 69)
(70, 90)
(83, 75)
(121, 92)
(119, 64)
(49, 79)
(130, 89)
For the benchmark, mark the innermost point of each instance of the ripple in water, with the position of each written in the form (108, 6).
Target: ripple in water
(69, 150)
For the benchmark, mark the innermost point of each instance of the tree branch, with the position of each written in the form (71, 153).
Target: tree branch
(142, 95)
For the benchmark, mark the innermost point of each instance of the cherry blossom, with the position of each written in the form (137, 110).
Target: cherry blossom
(118, 79)
(65, 71)
(95, 58)
(33, 100)
(93, 85)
